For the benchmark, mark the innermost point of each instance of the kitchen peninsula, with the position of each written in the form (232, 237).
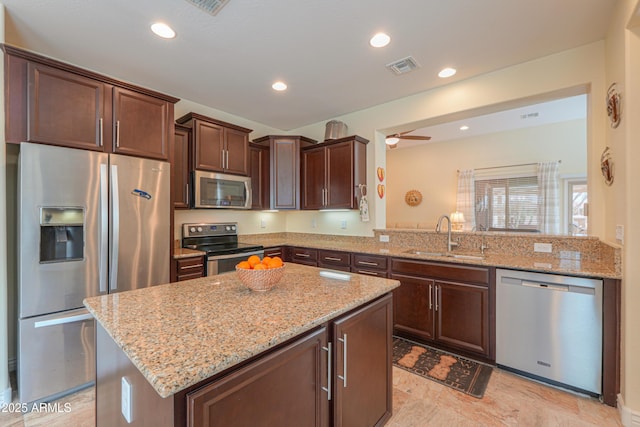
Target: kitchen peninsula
(210, 349)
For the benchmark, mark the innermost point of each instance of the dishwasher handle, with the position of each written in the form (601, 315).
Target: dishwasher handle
(542, 285)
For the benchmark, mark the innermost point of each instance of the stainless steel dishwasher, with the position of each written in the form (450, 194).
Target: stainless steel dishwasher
(549, 327)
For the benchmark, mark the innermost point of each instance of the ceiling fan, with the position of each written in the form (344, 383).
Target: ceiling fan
(392, 140)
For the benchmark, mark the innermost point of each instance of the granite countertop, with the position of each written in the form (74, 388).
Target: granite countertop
(179, 253)
(573, 266)
(179, 334)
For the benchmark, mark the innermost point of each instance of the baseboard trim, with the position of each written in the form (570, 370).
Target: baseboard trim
(629, 417)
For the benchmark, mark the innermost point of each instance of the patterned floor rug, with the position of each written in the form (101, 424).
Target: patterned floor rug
(456, 372)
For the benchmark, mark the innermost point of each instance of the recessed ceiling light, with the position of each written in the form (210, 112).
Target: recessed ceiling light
(163, 30)
(279, 86)
(380, 40)
(464, 127)
(446, 72)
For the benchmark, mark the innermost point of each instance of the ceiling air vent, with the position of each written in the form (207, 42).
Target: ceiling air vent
(209, 6)
(403, 65)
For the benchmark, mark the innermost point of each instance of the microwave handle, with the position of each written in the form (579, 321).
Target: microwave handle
(247, 192)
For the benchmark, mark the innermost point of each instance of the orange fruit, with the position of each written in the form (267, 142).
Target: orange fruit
(275, 262)
(266, 260)
(244, 264)
(259, 266)
(253, 260)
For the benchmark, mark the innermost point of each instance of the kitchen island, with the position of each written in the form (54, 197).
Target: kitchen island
(184, 353)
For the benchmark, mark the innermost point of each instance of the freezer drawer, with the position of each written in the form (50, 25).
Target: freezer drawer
(550, 326)
(56, 354)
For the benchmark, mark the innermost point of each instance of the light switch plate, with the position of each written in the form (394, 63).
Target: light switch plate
(343, 224)
(384, 238)
(620, 233)
(263, 223)
(542, 247)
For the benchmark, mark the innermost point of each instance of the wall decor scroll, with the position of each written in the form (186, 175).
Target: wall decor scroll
(613, 106)
(606, 166)
(381, 190)
(380, 173)
(413, 197)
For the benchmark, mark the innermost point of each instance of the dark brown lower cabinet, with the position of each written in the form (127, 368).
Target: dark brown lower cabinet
(338, 375)
(362, 344)
(436, 305)
(280, 388)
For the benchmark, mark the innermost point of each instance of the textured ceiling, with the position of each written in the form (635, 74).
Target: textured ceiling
(320, 48)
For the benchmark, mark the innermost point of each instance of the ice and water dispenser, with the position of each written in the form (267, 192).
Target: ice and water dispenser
(61, 234)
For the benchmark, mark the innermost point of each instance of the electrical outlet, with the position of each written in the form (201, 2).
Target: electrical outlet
(343, 224)
(314, 224)
(542, 247)
(620, 233)
(384, 238)
(263, 223)
(125, 394)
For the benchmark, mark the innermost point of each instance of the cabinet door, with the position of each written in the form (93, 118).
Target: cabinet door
(259, 172)
(462, 312)
(65, 108)
(208, 144)
(275, 251)
(413, 306)
(180, 169)
(363, 349)
(285, 173)
(141, 124)
(313, 178)
(237, 152)
(283, 388)
(339, 187)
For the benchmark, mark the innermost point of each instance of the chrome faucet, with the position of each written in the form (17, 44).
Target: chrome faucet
(450, 243)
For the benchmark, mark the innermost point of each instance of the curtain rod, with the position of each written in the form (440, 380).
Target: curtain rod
(508, 166)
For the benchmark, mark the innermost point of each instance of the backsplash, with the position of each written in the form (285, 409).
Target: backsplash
(513, 244)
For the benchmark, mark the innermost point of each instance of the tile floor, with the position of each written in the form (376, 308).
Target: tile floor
(509, 401)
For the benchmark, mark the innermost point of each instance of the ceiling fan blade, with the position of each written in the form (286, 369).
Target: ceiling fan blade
(415, 137)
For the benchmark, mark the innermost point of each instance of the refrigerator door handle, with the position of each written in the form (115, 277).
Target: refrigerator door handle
(115, 223)
(63, 320)
(104, 228)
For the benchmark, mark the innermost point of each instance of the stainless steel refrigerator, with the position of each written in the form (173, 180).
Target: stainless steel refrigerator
(88, 224)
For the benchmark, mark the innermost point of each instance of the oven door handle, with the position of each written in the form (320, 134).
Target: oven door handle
(238, 255)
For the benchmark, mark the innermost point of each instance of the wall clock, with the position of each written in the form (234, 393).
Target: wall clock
(413, 197)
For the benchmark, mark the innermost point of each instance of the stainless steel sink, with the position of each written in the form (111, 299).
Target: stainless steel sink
(444, 254)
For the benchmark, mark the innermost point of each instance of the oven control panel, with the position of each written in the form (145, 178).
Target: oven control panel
(206, 230)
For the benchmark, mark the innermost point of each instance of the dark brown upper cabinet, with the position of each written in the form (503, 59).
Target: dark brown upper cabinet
(218, 146)
(180, 167)
(332, 172)
(50, 102)
(284, 154)
(259, 172)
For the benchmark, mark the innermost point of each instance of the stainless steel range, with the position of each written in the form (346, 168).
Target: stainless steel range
(220, 242)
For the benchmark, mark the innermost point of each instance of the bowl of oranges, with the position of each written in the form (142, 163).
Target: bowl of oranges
(260, 274)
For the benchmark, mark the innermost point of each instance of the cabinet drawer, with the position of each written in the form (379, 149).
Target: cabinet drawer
(190, 265)
(271, 252)
(441, 271)
(334, 258)
(303, 254)
(192, 275)
(370, 262)
(370, 272)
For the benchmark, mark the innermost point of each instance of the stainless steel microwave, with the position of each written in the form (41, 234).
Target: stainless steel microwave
(218, 190)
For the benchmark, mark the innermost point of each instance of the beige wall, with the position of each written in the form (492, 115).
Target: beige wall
(432, 168)
(622, 198)
(562, 74)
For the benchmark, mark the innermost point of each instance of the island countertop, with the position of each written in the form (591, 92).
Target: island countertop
(179, 334)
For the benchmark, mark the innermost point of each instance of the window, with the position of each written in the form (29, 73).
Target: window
(577, 207)
(507, 204)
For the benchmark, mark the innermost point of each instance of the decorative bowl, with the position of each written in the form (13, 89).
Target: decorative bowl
(260, 280)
